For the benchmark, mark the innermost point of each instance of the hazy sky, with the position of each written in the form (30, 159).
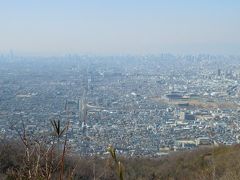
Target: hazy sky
(120, 26)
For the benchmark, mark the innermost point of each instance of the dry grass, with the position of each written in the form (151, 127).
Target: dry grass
(43, 164)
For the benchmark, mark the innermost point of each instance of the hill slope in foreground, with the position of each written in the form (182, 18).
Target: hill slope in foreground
(219, 163)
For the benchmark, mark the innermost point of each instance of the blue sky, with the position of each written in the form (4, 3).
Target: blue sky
(120, 26)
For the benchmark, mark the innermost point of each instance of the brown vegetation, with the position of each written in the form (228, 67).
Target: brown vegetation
(221, 163)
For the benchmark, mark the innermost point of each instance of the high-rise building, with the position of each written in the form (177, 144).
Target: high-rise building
(219, 72)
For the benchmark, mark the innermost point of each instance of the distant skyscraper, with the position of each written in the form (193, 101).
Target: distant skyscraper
(219, 72)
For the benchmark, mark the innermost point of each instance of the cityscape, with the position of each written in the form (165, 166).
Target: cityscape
(147, 105)
(119, 90)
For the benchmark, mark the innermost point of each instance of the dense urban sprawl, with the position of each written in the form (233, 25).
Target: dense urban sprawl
(143, 105)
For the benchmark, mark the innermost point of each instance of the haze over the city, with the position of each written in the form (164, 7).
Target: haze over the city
(127, 89)
(120, 27)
